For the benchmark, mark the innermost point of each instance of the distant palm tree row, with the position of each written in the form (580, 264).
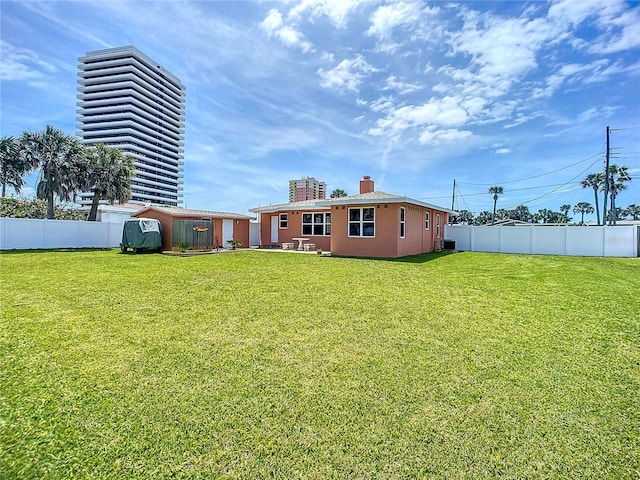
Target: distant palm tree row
(617, 178)
(66, 167)
(522, 213)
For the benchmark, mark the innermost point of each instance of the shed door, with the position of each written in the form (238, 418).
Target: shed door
(227, 232)
(274, 229)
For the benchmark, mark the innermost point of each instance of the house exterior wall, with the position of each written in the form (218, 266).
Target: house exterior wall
(293, 229)
(431, 236)
(240, 232)
(387, 242)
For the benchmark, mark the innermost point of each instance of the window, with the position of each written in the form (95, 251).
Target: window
(402, 223)
(284, 221)
(316, 224)
(437, 225)
(426, 221)
(362, 222)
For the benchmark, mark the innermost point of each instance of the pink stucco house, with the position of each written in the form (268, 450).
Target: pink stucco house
(370, 224)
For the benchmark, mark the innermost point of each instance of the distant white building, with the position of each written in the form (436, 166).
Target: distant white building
(126, 100)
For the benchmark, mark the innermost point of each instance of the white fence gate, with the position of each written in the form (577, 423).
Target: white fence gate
(613, 241)
(27, 233)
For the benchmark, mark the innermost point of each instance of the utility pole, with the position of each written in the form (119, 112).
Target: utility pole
(453, 201)
(453, 194)
(606, 181)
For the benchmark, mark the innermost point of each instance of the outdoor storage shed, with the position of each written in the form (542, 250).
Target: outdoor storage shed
(198, 229)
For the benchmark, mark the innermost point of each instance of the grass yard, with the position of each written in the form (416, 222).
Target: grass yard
(271, 365)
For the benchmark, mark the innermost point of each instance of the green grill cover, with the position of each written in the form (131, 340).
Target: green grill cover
(142, 233)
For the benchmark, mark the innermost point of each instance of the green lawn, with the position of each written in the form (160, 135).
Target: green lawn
(272, 365)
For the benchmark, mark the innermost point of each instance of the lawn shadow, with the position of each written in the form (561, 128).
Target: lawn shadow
(421, 258)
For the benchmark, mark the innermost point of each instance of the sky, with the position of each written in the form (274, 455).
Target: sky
(414, 94)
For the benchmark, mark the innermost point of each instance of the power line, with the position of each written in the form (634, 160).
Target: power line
(546, 194)
(537, 176)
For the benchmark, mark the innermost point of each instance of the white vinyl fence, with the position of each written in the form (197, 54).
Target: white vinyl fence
(613, 241)
(25, 233)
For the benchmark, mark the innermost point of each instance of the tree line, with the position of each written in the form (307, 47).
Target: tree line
(610, 183)
(66, 167)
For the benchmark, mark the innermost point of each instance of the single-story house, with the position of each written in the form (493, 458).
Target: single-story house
(198, 229)
(370, 224)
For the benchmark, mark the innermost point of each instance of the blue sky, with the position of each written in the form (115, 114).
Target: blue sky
(414, 94)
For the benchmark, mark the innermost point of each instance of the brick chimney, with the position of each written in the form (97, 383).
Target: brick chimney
(366, 184)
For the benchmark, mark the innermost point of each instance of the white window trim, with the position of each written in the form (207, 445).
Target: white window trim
(403, 222)
(312, 224)
(437, 225)
(361, 222)
(286, 219)
(427, 221)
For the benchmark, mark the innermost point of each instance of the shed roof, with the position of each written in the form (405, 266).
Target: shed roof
(184, 212)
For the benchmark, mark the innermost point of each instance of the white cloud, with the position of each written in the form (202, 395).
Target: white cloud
(577, 73)
(520, 119)
(272, 22)
(572, 12)
(403, 88)
(387, 17)
(336, 10)
(626, 39)
(382, 104)
(437, 112)
(620, 23)
(596, 112)
(502, 151)
(347, 75)
(439, 137)
(502, 48)
(22, 64)
(274, 26)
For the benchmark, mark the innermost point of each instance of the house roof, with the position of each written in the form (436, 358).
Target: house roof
(362, 198)
(310, 204)
(183, 212)
(380, 197)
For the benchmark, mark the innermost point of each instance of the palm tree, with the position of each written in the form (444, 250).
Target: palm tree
(564, 210)
(495, 191)
(338, 192)
(582, 208)
(483, 218)
(13, 166)
(62, 161)
(595, 181)
(546, 215)
(110, 178)
(521, 212)
(633, 211)
(464, 216)
(617, 178)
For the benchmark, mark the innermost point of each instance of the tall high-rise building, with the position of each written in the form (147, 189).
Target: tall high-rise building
(126, 100)
(307, 188)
